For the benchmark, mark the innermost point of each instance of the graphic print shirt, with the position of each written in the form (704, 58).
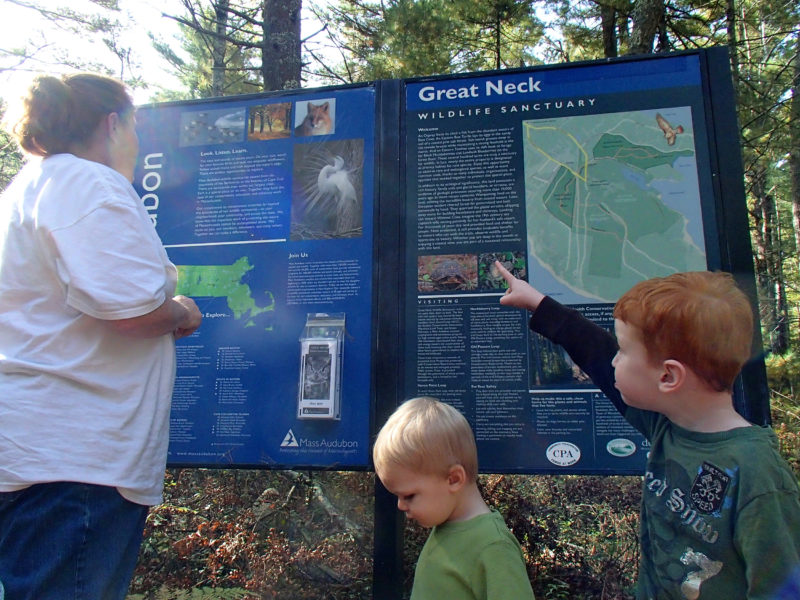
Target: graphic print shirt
(720, 515)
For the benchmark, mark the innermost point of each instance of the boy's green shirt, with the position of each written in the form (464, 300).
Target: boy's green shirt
(478, 559)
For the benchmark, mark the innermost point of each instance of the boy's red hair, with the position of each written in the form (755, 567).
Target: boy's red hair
(701, 319)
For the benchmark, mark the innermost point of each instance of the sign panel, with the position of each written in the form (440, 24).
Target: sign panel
(341, 241)
(265, 205)
(582, 179)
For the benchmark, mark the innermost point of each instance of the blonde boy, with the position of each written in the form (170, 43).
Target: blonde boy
(425, 454)
(720, 515)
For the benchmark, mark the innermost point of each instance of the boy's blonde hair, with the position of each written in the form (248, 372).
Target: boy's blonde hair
(426, 436)
(701, 319)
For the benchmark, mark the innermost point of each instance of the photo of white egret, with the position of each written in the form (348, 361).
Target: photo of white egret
(327, 190)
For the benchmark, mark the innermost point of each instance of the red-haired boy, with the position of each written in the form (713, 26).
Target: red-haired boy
(720, 515)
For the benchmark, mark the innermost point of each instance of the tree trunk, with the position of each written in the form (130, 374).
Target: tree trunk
(766, 300)
(647, 14)
(280, 50)
(794, 147)
(218, 48)
(768, 262)
(608, 23)
(498, 39)
(623, 34)
(733, 50)
(663, 39)
(779, 332)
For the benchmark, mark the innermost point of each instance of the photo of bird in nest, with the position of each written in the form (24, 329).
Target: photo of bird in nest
(327, 190)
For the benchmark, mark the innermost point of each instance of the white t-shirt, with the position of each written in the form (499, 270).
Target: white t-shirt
(78, 401)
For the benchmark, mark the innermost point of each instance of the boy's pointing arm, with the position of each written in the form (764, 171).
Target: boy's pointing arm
(520, 293)
(588, 344)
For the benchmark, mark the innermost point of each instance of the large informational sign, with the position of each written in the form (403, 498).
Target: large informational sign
(584, 180)
(341, 243)
(265, 206)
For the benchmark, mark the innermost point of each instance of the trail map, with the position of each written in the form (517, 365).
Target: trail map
(610, 198)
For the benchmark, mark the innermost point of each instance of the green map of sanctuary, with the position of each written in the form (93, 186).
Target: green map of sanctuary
(611, 199)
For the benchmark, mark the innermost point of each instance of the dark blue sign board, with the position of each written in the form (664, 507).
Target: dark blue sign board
(265, 204)
(582, 179)
(389, 203)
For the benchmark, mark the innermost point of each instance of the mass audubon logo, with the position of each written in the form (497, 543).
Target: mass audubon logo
(292, 442)
(289, 441)
(563, 454)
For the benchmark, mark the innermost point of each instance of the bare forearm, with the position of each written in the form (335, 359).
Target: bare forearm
(178, 315)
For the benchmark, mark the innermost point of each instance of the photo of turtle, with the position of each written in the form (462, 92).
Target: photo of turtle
(447, 273)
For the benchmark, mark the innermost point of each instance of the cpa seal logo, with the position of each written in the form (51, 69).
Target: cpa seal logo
(563, 454)
(708, 489)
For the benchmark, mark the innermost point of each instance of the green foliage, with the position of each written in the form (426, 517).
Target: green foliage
(10, 154)
(407, 38)
(500, 33)
(574, 35)
(787, 428)
(237, 47)
(399, 38)
(783, 373)
(195, 72)
(765, 73)
(582, 531)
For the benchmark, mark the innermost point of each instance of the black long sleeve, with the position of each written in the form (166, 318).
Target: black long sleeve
(589, 345)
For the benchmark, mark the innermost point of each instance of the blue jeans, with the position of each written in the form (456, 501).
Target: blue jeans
(68, 541)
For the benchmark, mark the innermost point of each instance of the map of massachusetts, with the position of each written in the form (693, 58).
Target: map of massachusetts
(224, 281)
